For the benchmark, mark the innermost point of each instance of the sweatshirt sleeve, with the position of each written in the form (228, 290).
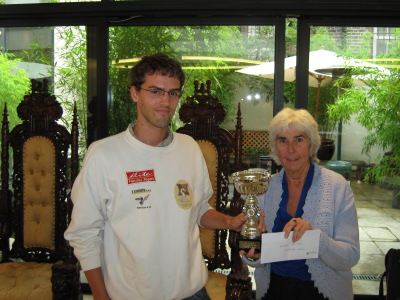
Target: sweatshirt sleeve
(85, 232)
(208, 190)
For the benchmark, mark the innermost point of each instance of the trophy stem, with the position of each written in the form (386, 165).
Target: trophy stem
(250, 229)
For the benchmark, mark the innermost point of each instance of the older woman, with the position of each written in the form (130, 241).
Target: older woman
(301, 197)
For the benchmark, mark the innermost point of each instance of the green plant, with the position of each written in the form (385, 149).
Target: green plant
(36, 54)
(377, 109)
(70, 78)
(178, 41)
(14, 85)
(328, 94)
(256, 151)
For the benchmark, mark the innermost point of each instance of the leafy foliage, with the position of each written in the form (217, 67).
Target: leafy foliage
(256, 151)
(14, 85)
(70, 78)
(179, 41)
(377, 109)
(68, 71)
(328, 95)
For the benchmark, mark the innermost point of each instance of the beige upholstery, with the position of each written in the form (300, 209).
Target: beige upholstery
(36, 262)
(38, 192)
(30, 281)
(202, 115)
(216, 285)
(207, 236)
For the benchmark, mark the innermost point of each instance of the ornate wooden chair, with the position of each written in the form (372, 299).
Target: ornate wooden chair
(35, 214)
(201, 114)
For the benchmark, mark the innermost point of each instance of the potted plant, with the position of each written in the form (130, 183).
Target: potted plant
(326, 125)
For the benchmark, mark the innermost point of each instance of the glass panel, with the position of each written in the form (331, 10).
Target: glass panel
(213, 53)
(57, 54)
(356, 108)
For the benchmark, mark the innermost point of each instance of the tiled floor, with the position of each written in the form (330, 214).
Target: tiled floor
(379, 226)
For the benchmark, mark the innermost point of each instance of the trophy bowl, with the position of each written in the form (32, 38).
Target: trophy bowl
(250, 183)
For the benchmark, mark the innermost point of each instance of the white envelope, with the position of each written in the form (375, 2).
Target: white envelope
(274, 247)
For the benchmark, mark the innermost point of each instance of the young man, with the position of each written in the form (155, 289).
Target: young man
(140, 197)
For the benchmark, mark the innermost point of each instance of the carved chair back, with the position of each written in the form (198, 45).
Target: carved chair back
(41, 178)
(202, 115)
(36, 207)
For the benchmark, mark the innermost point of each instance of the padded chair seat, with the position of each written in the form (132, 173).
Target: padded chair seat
(216, 285)
(25, 281)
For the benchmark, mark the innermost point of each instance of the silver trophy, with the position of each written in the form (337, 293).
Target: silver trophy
(251, 183)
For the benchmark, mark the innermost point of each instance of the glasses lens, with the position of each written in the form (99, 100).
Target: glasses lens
(175, 94)
(160, 92)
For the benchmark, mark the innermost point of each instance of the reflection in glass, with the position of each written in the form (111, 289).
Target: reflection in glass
(207, 53)
(358, 110)
(57, 54)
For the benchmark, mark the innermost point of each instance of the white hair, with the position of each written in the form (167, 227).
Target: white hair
(298, 119)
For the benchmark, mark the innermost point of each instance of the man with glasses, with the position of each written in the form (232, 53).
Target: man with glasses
(140, 197)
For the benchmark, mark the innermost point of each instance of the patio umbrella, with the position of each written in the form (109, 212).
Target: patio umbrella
(324, 66)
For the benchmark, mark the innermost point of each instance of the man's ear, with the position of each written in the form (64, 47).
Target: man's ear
(134, 94)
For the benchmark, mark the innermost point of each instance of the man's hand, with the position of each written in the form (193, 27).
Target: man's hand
(215, 220)
(237, 222)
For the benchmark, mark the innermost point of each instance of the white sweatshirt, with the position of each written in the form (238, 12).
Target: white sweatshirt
(136, 214)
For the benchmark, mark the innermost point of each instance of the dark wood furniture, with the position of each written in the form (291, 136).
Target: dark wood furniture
(35, 209)
(202, 113)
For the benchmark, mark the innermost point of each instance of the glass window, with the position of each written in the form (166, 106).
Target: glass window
(352, 93)
(57, 54)
(383, 40)
(215, 53)
(351, 87)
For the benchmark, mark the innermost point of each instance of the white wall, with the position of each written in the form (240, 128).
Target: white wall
(352, 141)
(256, 114)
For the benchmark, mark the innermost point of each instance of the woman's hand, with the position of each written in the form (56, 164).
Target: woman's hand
(251, 254)
(298, 226)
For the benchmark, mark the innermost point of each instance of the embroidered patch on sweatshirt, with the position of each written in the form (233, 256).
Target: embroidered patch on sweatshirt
(140, 176)
(142, 201)
(183, 194)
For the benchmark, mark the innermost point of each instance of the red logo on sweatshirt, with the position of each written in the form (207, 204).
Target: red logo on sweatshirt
(140, 176)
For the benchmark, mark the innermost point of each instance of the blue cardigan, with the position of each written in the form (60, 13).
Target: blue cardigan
(329, 207)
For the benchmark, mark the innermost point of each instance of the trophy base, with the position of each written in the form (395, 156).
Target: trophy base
(246, 243)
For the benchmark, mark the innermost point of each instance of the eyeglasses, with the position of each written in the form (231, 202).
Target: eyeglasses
(158, 93)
